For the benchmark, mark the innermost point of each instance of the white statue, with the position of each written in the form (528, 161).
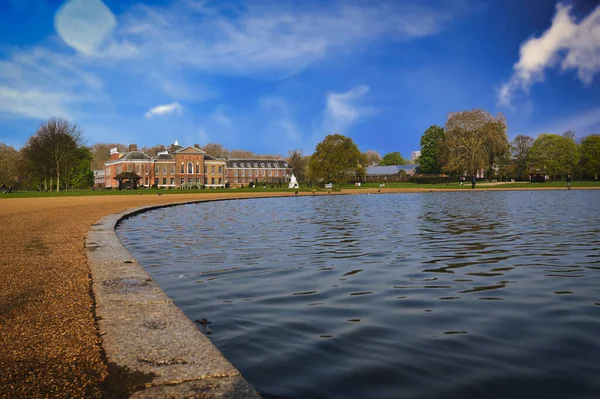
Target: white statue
(293, 182)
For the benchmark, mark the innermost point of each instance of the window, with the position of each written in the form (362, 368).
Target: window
(190, 179)
(182, 179)
(197, 168)
(190, 168)
(164, 170)
(270, 173)
(172, 181)
(137, 168)
(205, 180)
(182, 168)
(269, 165)
(212, 180)
(235, 172)
(220, 169)
(236, 180)
(250, 173)
(145, 180)
(164, 180)
(172, 170)
(235, 164)
(243, 172)
(255, 165)
(156, 170)
(118, 169)
(156, 181)
(220, 181)
(197, 180)
(212, 170)
(241, 164)
(262, 164)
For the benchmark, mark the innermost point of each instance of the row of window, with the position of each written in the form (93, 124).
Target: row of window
(189, 180)
(190, 169)
(258, 173)
(249, 165)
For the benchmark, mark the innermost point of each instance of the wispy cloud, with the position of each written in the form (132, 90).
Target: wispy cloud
(566, 43)
(261, 38)
(164, 109)
(343, 109)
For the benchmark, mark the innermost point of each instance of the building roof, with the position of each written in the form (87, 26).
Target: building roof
(164, 156)
(256, 163)
(390, 170)
(131, 156)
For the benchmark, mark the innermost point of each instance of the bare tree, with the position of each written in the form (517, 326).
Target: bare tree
(241, 154)
(9, 161)
(216, 150)
(101, 153)
(373, 157)
(570, 135)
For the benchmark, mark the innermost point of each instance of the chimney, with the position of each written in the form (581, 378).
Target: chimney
(197, 146)
(162, 148)
(133, 147)
(114, 154)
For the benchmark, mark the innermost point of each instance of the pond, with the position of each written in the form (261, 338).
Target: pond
(434, 295)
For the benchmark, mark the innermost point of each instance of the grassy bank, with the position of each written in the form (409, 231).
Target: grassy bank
(303, 188)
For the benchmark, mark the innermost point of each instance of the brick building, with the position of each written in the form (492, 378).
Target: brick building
(269, 171)
(175, 167)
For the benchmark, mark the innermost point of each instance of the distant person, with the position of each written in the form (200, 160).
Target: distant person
(3, 188)
(473, 181)
(569, 178)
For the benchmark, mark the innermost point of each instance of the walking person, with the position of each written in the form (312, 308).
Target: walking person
(473, 181)
(569, 178)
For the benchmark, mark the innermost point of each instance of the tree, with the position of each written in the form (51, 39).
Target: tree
(101, 153)
(9, 165)
(299, 163)
(553, 155)
(241, 154)
(474, 140)
(81, 174)
(216, 150)
(336, 159)
(590, 154)
(51, 149)
(373, 157)
(429, 160)
(520, 149)
(392, 158)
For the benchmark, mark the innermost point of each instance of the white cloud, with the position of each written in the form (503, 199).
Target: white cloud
(164, 109)
(568, 43)
(583, 123)
(342, 109)
(33, 103)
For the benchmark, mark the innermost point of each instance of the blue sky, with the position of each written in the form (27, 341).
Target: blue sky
(274, 75)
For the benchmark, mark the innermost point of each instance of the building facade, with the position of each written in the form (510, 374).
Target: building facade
(175, 167)
(242, 171)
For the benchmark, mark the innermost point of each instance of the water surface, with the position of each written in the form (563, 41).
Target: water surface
(433, 295)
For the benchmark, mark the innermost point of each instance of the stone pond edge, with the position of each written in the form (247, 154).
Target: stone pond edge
(152, 344)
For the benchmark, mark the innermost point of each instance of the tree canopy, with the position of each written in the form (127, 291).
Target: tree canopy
(299, 163)
(553, 154)
(590, 154)
(520, 150)
(338, 160)
(373, 157)
(430, 158)
(474, 140)
(52, 150)
(9, 160)
(391, 159)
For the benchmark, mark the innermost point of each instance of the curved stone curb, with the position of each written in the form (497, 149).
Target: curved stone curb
(145, 334)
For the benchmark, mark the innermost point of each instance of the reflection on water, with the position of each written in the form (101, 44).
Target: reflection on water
(441, 295)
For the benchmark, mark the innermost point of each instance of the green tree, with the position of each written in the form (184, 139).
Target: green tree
(336, 159)
(391, 159)
(520, 149)
(590, 154)
(299, 163)
(474, 140)
(9, 165)
(51, 150)
(81, 174)
(429, 160)
(553, 154)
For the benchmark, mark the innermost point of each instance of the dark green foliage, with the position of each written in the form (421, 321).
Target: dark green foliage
(391, 159)
(429, 160)
(338, 160)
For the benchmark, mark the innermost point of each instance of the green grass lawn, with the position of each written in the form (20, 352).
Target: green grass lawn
(303, 188)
